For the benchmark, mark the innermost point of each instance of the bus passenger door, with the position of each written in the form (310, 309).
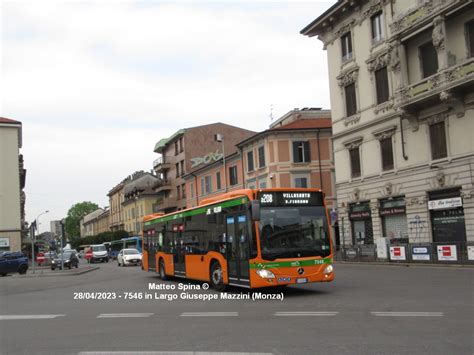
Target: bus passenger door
(151, 248)
(179, 251)
(237, 249)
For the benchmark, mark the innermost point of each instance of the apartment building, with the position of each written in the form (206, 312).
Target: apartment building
(401, 78)
(12, 183)
(88, 223)
(296, 151)
(186, 151)
(139, 198)
(116, 198)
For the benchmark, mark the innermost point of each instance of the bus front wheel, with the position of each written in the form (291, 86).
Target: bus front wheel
(162, 270)
(217, 277)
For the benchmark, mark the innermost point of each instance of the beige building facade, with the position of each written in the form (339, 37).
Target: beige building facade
(116, 198)
(12, 182)
(401, 78)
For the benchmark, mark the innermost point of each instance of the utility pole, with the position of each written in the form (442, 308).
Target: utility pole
(62, 242)
(33, 239)
(220, 138)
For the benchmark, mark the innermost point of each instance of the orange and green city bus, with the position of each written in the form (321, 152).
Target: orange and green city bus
(248, 238)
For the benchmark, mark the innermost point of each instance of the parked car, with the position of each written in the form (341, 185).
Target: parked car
(49, 256)
(11, 262)
(70, 260)
(99, 252)
(129, 257)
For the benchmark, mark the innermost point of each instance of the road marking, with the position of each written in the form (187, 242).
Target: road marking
(125, 315)
(407, 314)
(305, 314)
(30, 316)
(210, 314)
(166, 353)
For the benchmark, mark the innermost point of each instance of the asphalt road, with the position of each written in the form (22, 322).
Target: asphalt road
(367, 310)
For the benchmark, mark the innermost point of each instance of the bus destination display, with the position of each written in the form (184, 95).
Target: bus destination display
(290, 198)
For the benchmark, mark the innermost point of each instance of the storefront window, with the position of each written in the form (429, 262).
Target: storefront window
(394, 221)
(361, 221)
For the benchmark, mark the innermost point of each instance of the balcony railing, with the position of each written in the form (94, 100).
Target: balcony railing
(444, 80)
(162, 163)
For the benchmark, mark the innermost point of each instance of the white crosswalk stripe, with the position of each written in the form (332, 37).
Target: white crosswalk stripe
(407, 314)
(305, 314)
(210, 314)
(125, 315)
(30, 316)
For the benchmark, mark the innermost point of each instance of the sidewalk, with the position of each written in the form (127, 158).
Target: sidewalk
(386, 263)
(45, 271)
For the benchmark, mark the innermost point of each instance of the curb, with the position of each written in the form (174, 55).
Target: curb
(51, 274)
(375, 263)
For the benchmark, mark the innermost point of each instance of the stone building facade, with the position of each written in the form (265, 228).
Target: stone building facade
(401, 78)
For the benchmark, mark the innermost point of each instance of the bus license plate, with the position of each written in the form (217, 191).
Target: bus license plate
(302, 280)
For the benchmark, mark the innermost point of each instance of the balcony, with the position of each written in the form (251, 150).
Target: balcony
(164, 205)
(449, 86)
(162, 185)
(162, 163)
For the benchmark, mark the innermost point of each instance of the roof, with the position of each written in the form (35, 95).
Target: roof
(162, 143)
(8, 121)
(307, 123)
(314, 27)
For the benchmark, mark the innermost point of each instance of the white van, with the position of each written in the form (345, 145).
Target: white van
(99, 252)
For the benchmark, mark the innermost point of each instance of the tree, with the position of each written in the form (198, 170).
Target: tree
(74, 216)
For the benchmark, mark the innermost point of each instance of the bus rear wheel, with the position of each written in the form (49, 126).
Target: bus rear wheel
(217, 277)
(163, 271)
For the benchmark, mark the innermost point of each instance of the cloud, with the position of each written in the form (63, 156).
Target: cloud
(94, 81)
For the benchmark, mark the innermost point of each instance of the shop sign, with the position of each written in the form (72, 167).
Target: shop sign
(4, 242)
(445, 203)
(397, 253)
(392, 210)
(421, 252)
(470, 252)
(447, 253)
(351, 253)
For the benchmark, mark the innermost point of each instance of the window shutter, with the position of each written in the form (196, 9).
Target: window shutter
(296, 157)
(307, 154)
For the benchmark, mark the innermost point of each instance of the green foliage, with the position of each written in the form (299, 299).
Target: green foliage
(74, 216)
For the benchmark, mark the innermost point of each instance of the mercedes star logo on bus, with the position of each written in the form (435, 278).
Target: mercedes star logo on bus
(300, 271)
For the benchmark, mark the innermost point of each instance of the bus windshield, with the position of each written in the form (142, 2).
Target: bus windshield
(292, 232)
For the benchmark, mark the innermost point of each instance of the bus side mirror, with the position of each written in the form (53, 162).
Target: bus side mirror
(255, 210)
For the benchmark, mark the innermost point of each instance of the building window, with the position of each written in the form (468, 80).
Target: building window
(218, 180)
(249, 161)
(429, 59)
(191, 188)
(182, 167)
(206, 185)
(178, 192)
(470, 38)
(355, 162)
(377, 27)
(387, 153)
(261, 157)
(346, 45)
(301, 152)
(438, 141)
(351, 104)
(177, 169)
(233, 175)
(181, 149)
(183, 190)
(301, 182)
(381, 84)
(176, 148)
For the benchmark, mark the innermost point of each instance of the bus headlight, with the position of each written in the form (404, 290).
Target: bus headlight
(266, 274)
(328, 269)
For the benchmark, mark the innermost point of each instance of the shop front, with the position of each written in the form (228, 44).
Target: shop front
(394, 221)
(447, 216)
(361, 223)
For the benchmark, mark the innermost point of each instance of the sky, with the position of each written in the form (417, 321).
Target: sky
(97, 83)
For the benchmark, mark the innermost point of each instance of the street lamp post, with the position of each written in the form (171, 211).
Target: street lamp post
(220, 138)
(33, 240)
